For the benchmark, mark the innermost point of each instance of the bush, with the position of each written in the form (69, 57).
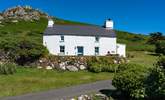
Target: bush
(23, 51)
(154, 37)
(161, 62)
(95, 67)
(101, 64)
(129, 66)
(138, 82)
(156, 84)
(110, 68)
(130, 80)
(160, 47)
(103, 68)
(7, 68)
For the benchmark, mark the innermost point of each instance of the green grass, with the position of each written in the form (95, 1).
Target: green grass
(134, 42)
(28, 80)
(143, 58)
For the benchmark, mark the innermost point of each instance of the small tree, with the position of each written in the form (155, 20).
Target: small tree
(154, 37)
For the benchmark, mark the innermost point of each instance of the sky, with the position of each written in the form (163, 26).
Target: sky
(138, 16)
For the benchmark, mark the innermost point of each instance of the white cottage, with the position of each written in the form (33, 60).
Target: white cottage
(84, 40)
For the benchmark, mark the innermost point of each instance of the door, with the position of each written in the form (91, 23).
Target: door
(80, 51)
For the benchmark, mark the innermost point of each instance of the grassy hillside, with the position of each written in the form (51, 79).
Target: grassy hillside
(135, 42)
(34, 30)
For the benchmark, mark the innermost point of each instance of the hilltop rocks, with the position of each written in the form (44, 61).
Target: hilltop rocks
(22, 13)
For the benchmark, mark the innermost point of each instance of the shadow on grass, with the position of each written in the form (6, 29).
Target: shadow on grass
(117, 95)
(153, 54)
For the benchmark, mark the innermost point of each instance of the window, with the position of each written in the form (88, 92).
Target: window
(62, 49)
(96, 50)
(62, 38)
(80, 50)
(96, 39)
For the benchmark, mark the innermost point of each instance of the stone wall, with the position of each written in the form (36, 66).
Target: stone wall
(72, 63)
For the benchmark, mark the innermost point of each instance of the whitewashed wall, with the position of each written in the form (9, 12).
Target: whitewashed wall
(52, 42)
(121, 49)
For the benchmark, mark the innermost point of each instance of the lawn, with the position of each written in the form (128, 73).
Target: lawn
(28, 80)
(143, 58)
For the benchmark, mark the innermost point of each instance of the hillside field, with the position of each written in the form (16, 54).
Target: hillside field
(34, 30)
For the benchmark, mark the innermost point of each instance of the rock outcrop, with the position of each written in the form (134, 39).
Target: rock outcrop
(25, 13)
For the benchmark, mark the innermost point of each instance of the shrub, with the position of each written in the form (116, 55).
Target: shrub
(154, 37)
(160, 47)
(95, 67)
(7, 68)
(101, 64)
(130, 80)
(161, 62)
(155, 83)
(23, 51)
(128, 66)
(110, 68)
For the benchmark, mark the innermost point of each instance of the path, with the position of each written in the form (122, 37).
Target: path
(67, 92)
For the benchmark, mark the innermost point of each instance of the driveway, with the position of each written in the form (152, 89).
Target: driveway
(67, 92)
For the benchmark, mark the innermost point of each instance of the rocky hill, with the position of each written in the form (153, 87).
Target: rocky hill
(18, 13)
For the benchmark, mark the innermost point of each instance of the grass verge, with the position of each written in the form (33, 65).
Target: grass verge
(28, 80)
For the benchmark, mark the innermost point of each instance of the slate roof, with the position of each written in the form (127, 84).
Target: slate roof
(79, 30)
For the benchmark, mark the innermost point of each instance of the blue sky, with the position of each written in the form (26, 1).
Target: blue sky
(139, 16)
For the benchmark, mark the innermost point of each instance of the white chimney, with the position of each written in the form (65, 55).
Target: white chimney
(50, 23)
(109, 24)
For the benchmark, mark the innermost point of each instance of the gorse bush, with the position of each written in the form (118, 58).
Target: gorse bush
(7, 68)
